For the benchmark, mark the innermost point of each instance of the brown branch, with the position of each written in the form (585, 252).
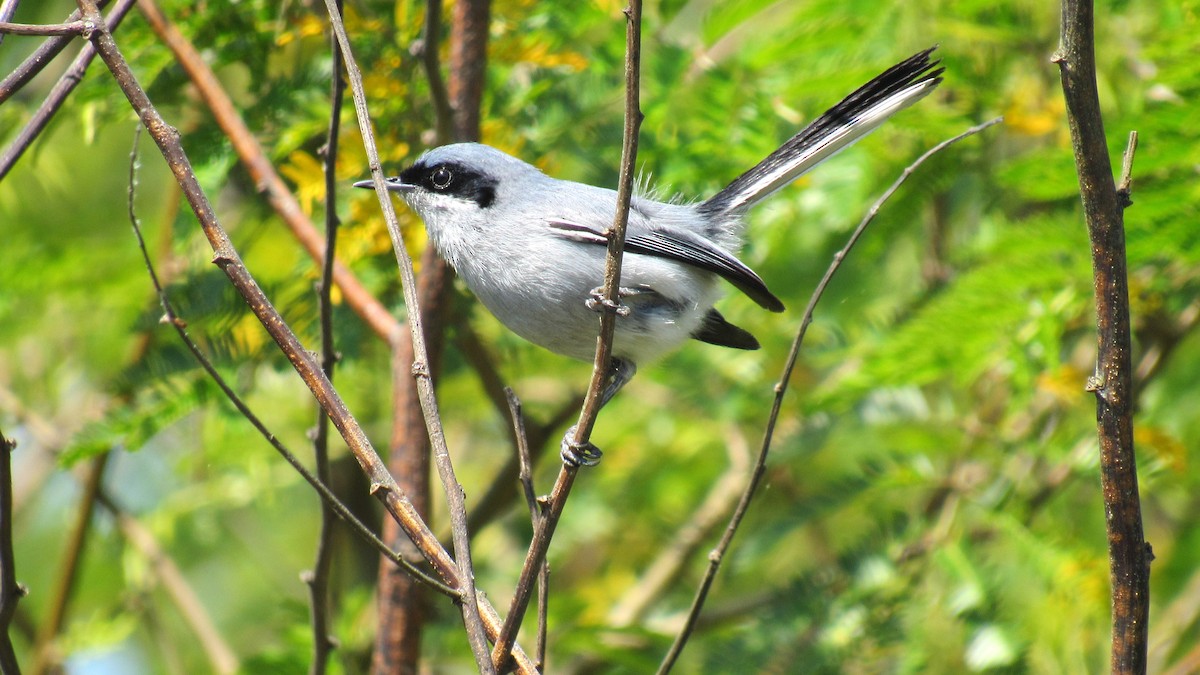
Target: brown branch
(70, 28)
(259, 166)
(8, 8)
(220, 655)
(525, 478)
(1128, 553)
(631, 608)
(601, 367)
(468, 63)
(472, 619)
(11, 592)
(717, 554)
(402, 604)
(58, 94)
(45, 653)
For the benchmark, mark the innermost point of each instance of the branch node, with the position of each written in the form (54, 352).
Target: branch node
(420, 369)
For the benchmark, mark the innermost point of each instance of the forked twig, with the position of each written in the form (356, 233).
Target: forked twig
(717, 554)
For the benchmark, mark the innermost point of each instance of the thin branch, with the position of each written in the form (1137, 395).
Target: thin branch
(1129, 555)
(525, 478)
(631, 608)
(601, 367)
(402, 606)
(318, 579)
(8, 8)
(45, 653)
(58, 94)
(70, 28)
(717, 554)
(443, 115)
(259, 166)
(11, 592)
(472, 620)
(220, 655)
(503, 490)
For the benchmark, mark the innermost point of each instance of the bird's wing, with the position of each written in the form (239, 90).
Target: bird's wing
(685, 247)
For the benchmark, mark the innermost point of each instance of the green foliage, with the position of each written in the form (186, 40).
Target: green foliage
(932, 501)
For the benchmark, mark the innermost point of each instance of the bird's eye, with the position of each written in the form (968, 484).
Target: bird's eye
(441, 178)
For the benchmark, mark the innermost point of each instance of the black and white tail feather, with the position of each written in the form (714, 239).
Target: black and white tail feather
(854, 117)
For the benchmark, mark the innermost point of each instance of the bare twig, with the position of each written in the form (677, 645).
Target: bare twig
(525, 478)
(402, 605)
(455, 498)
(717, 554)
(631, 608)
(10, 591)
(443, 115)
(58, 94)
(1129, 555)
(601, 367)
(318, 579)
(45, 653)
(8, 8)
(71, 28)
(220, 655)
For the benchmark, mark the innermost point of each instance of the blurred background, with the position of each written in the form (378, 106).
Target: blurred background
(932, 502)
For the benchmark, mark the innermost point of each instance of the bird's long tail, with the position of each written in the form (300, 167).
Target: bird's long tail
(855, 116)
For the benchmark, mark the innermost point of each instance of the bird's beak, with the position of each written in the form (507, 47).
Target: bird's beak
(392, 184)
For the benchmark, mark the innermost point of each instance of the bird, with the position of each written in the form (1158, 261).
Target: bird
(532, 247)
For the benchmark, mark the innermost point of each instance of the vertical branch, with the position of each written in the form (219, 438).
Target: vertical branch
(45, 653)
(473, 617)
(401, 608)
(468, 65)
(1129, 555)
(10, 591)
(557, 499)
(318, 578)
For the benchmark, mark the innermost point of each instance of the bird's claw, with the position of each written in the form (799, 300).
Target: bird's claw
(598, 302)
(578, 454)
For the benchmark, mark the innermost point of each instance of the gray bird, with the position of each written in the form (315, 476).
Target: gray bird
(532, 247)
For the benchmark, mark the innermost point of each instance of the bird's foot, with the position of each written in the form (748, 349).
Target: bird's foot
(598, 302)
(578, 454)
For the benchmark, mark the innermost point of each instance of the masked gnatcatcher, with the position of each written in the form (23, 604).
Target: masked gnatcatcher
(532, 247)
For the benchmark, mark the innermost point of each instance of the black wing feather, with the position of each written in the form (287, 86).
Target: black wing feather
(715, 330)
(686, 248)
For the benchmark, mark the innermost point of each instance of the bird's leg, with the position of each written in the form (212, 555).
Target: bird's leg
(587, 454)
